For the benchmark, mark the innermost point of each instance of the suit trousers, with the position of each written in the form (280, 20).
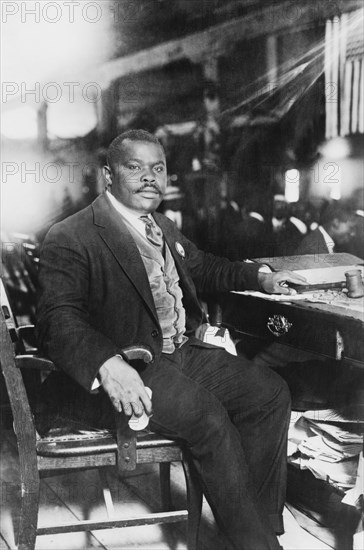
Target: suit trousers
(234, 417)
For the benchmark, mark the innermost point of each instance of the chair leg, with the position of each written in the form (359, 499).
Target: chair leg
(27, 530)
(106, 493)
(165, 488)
(165, 485)
(194, 502)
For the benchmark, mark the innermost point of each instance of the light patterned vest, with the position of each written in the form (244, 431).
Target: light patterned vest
(164, 284)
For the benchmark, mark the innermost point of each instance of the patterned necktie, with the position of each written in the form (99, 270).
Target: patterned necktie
(152, 232)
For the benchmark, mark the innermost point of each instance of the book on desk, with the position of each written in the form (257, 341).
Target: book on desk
(322, 271)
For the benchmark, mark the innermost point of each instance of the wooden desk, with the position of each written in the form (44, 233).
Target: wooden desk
(320, 328)
(325, 329)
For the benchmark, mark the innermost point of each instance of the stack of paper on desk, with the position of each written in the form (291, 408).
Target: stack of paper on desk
(329, 450)
(354, 495)
(325, 277)
(332, 443)
(320, 270)
(331, 415)
(341, 474)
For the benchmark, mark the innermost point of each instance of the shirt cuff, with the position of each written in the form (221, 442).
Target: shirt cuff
(95, 384)
(264, 268)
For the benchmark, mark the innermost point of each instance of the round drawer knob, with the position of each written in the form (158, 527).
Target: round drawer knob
(278, 325)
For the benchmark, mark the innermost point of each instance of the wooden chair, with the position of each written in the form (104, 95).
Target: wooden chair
(42, 456)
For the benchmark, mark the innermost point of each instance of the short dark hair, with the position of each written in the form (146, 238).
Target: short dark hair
(336, 211)
(113, 151)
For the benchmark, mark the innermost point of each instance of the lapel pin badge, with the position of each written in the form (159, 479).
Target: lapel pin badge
(180, 250)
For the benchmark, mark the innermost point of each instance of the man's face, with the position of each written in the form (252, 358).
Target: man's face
(280, 210)
(139, 178)
(344, 231)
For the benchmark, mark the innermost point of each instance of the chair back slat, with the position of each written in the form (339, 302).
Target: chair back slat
(22, 414)
(7, 311)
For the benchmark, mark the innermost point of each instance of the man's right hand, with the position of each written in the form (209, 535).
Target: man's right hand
(125, 388)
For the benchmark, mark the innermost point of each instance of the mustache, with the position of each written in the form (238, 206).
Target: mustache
(148, 187)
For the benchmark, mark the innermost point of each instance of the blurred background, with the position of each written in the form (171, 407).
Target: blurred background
(251, 99)
(258, 103)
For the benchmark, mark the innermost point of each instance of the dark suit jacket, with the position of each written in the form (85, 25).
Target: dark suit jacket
(94, 294)
(286, 240)
(313, 243)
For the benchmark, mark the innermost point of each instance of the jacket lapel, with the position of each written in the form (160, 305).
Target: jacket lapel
(117, 238)
(321, 239)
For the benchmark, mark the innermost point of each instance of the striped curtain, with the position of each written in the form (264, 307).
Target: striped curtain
(344, 74)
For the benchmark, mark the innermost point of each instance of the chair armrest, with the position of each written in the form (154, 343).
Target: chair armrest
(34, 362)
(125, 437)
(139, 351)
(132, 353)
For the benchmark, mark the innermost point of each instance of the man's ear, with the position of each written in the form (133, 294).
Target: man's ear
(107, 175)
(335, 223)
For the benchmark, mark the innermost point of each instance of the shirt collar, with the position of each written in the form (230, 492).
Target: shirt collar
(129, 215)
(256, 215)
(328, 240)
(175, 216)
(301, 226)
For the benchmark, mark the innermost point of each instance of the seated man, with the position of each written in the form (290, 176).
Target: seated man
(287, 231)
(117, 274)
(336, 229)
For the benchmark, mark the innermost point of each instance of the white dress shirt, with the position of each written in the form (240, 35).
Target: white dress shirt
(328, 240)
(129, 215)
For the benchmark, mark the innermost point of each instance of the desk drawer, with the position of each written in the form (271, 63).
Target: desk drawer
(295, 326)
